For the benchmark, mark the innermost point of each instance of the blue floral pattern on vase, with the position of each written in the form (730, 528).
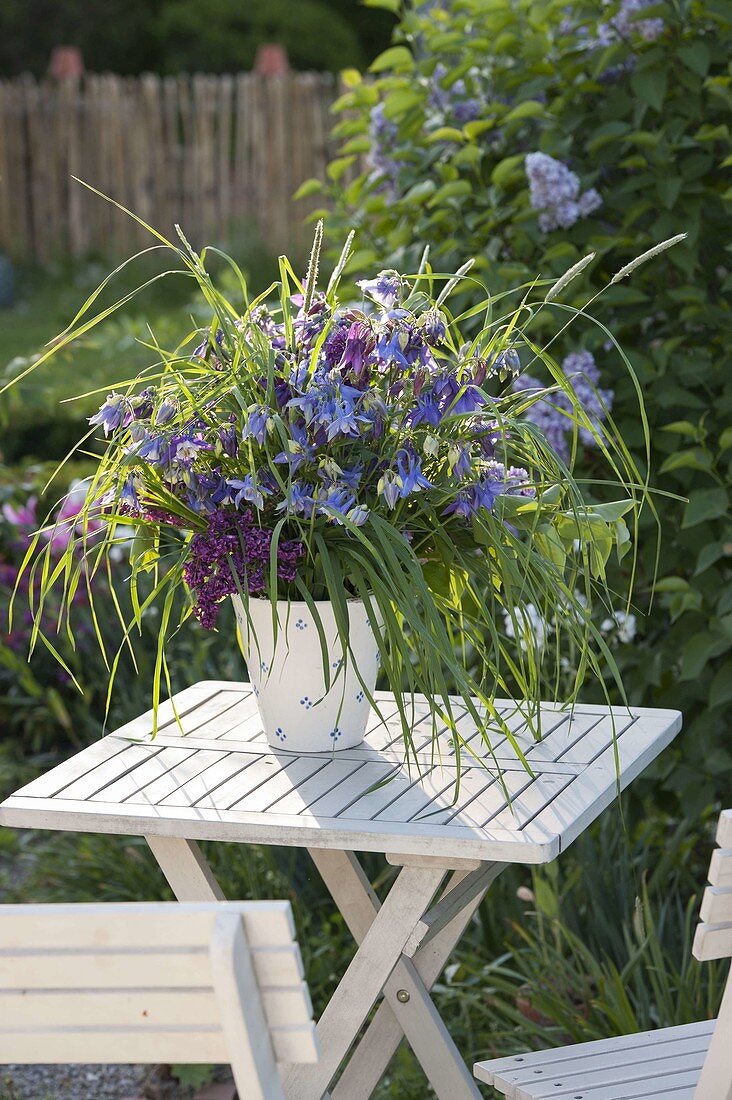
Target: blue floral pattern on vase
(279, 732)
(306, 702)
(335, 734)
(360, 696)
(301, 624)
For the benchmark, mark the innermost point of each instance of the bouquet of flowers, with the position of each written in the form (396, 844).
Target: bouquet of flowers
(304, 454)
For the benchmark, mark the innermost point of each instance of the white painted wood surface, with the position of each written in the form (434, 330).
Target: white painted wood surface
(210, 775)
(690, 1062)
(151, 982)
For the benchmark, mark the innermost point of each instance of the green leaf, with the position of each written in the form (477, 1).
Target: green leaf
(530, 108)
(613, 510)
(708, 555)
(682, 427)
(398, 58)
(474, 129)
(650, 86)
(337, 167)
(704, 504)
(697, 458)
(446, 133)
(507, 169)
(720, 693)
(309, 187)
(452, 190)
(697, 652)
(398, 102)
(725, 440)
(388, 5)
(697, 57)
(420, 192)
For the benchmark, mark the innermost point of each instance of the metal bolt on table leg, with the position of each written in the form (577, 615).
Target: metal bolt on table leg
(402, 995)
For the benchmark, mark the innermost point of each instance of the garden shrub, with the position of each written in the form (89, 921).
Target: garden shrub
(528, 134)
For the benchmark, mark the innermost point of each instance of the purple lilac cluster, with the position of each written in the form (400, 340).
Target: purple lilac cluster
(233, 552)
(452, 104)
(555, 191)
(625, 23)
(553, 415)
(382, 160)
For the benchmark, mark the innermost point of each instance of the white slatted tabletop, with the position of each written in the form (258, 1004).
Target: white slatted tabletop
(217, 779)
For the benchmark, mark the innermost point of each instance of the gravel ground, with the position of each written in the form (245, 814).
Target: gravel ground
(86, 1083)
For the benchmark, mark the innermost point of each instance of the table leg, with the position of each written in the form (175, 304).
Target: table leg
(407, 1008)
(379, 952)
(186, 868)
(430, 1040)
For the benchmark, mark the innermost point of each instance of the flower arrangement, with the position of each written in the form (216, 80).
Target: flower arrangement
(303, 450)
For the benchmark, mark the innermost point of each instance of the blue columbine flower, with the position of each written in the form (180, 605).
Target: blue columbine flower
(257, 424)
(112, 413)
(249, 490)
(359, 515)
(299, 500)
(458, 397)
(389, 487)
(384, 289)
(433, 327)
(409, 468)
(458, 457)
(425, 411)
(299, 450)
(334, 500)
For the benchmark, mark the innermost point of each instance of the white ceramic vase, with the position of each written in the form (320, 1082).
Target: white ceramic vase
(297, 711)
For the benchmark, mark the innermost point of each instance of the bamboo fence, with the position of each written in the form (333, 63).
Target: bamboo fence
(215, 154)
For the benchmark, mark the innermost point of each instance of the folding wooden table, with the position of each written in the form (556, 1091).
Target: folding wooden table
(217, 779)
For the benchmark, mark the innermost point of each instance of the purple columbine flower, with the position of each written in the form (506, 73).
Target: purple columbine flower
(384, 289)
(458, 398)
(166, 412)
(357, 349)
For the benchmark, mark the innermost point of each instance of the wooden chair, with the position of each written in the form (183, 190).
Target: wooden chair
(691, 1062)
(159, 982)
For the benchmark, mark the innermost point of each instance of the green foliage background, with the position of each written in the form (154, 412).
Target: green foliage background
(647, 124)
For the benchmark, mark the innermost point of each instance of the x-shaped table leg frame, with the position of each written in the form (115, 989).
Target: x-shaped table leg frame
(404, 945)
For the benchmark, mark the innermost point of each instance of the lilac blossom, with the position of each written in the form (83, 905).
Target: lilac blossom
(554, 190)
(553, 414)
(233, 553)
(625, 23)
